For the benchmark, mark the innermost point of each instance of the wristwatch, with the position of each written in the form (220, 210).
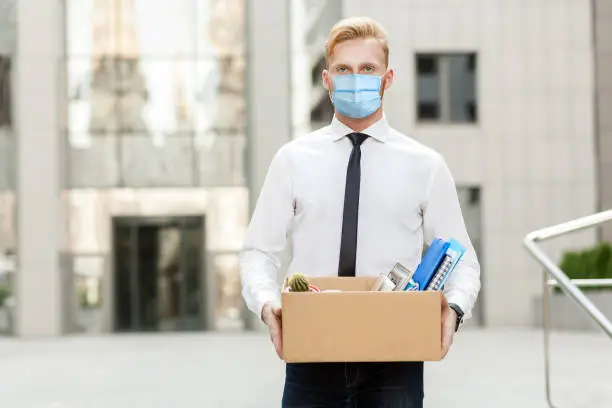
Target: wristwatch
(459, 312)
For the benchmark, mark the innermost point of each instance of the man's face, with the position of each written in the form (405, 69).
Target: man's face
(362, 56)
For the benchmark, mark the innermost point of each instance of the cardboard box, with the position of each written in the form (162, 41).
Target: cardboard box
(360, 325)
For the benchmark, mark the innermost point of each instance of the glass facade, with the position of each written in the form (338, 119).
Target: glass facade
(8, 29)
(155, 129)
(311, 21)
(156, 93)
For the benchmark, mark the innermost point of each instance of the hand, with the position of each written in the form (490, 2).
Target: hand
(272, 317)
(449, 321)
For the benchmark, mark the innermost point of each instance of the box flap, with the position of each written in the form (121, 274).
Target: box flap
(359, 283)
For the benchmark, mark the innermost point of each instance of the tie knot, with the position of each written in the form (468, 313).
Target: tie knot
(357, 138)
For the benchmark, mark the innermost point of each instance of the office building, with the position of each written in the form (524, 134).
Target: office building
(135, 135)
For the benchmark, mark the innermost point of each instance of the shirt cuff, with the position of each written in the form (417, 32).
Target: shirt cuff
(460, 300)
(265, 297)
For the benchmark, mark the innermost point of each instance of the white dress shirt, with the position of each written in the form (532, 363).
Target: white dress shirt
(407, 198)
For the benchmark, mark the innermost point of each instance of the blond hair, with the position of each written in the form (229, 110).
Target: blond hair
(355, 28)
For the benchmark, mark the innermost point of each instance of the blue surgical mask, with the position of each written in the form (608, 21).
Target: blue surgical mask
(356, 96)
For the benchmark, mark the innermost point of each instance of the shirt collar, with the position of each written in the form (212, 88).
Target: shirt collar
(377, 130)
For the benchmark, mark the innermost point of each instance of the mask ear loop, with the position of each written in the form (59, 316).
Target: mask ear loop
(383, 82)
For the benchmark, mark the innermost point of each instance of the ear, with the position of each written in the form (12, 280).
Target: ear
(388, 79)
(326, 79)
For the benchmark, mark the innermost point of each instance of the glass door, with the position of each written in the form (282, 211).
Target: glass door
(158, 282)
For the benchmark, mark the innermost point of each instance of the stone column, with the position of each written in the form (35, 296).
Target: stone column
(39, 94)
(268, 92)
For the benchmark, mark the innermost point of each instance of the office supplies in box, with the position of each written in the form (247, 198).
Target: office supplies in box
(395, 280)
(437, 265)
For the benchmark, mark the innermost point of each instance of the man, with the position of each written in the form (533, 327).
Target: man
(356, 197)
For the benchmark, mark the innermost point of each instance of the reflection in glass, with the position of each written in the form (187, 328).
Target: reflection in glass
(118, 96)
(150, 162)
(5, 91)
(8, 35)
(88, 272)
(93, 162)
(462, 74)
(7, 301)
(7, 221)
(446, 87)
(428, 87)
(191, 258)
(220, 159)
(7, 159)
(169, 278)
(158, 274)
(230, 304)
(155, 71)
(7, 261)
(471, 208)
(156, 100)
(8, 26)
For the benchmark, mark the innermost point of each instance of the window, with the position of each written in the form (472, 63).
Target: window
(156, 93)
(446, 88)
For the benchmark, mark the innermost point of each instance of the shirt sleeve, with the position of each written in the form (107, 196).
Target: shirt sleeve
(266, 237)
(442, 218)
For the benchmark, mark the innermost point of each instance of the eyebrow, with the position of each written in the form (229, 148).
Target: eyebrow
(363, 64)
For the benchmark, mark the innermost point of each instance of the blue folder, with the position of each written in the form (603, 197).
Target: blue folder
(453, 255)
(430, 263)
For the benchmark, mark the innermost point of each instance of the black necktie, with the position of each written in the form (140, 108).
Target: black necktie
(348, 245)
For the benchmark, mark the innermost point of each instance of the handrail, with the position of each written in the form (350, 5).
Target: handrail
(585, 283)
(563, 281)
(569, 286)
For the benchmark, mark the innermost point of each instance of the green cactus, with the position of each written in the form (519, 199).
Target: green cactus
(298, 283)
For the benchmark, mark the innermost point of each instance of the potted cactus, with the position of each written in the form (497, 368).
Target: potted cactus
(299, 283)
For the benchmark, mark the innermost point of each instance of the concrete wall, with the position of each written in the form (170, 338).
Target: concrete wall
(532, 148)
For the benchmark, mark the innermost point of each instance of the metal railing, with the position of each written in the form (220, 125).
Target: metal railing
(561, 280)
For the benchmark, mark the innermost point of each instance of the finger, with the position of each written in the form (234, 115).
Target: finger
(279, 350)
(444, 302)
(445, 345)
(444, 348)
(278, 343)
(445, 351)
(275, 326)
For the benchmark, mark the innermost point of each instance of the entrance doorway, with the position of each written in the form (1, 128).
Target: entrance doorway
(158, 274)
(469, 199)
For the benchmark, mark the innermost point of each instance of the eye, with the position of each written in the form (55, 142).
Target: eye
(369, 68)
(341, 69)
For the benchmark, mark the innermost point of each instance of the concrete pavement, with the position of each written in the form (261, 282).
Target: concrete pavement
(485, 369)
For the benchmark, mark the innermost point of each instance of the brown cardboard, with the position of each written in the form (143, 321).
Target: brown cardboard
(359, 325)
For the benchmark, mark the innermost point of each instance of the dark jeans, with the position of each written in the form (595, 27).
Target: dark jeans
(354, 385)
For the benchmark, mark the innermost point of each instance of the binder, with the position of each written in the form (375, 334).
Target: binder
(453, 255)
(441, 273)
(430, 263)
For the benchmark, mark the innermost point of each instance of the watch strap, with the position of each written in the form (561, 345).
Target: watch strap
(460, 314)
